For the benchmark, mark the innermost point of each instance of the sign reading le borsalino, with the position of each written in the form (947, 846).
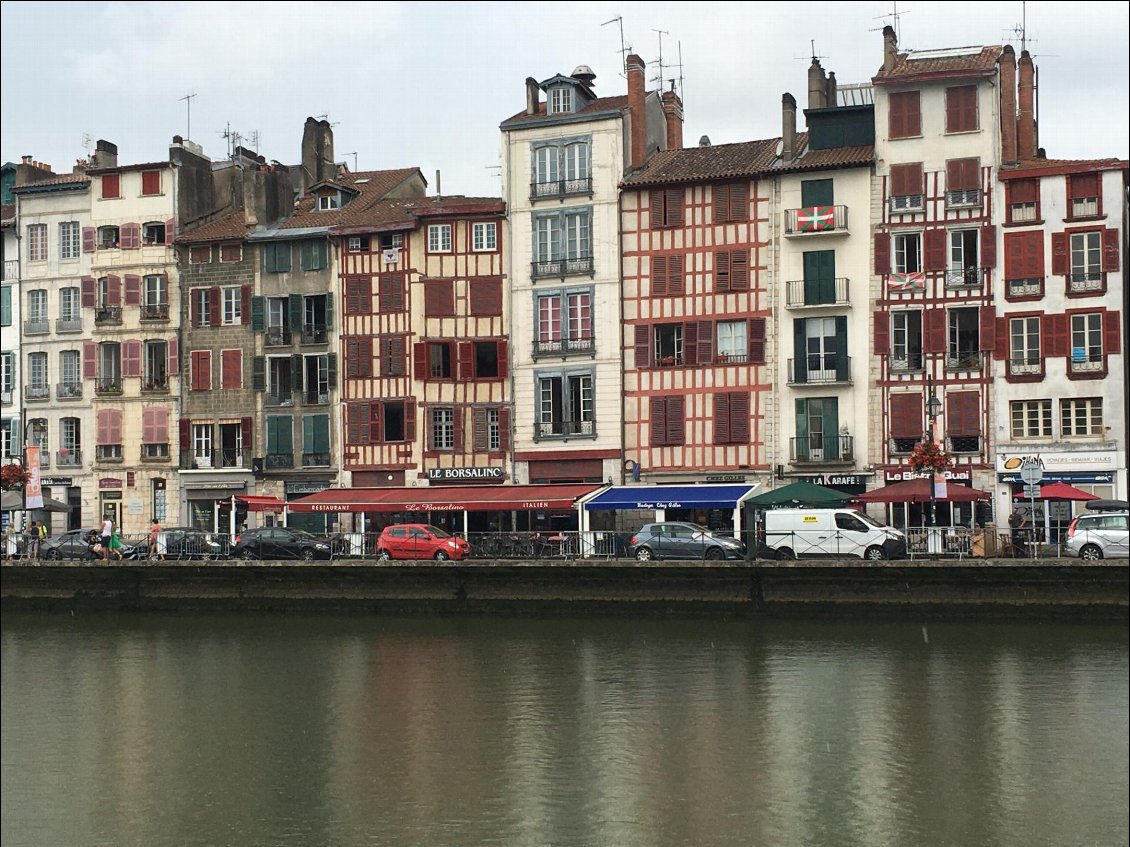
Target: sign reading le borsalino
(448, 474)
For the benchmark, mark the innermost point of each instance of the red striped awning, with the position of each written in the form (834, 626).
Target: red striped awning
(259, 503)
(444, 498)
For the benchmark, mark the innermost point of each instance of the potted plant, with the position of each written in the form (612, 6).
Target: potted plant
(929, 457)
(12, 477)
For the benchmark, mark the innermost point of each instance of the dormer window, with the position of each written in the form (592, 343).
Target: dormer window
(327, 202)
(560, 100)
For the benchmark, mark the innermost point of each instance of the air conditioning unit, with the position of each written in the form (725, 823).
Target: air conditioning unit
(390, 255)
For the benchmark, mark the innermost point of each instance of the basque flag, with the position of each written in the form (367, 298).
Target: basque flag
(816, 219)
(907, 282)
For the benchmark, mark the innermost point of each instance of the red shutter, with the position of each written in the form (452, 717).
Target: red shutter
(466, 361)
(457, 428)
(676, 420)
(148, 426)
(364, 356)
(133, 290)
(721, 203)
(160, 419)
(739, 270)
(113, 290)
(1023, 255)
(1110, 250)
(111, 186)
(934, 249)
(934, 330)
(913, 113)
(352, 357)
(907, 419)
(722, 270)
(479, 429)
(89, 360)
(194, 306)
(131, 358)
(658, 276)
(1083, 186)
(1022, 191)
(391, 297)
(690, 343)
(882, 332)
(410, 419)
(245, 305)
(655, 204)
(988, 246)
(102, 427)
(643, 346)
(245, 431)
(906, 179)
(739, 417)
(150, 182)
(739, 202)
(1112, 337)
(676, 275)
(170, 231)
(963, 413)
(420, 360)
(988, 329)
(882, 253)
(439, 297)
(201, 370)
(757, 341)
(705, 342)
(88, 239)
(185, 427)
(174, 355)
(1059, 254)
(89, 298)
(722, 434)
(214, 298)
(1054, 331)
(130, 236)
(231, 369)
(357, 423)
(896, 115)
(1001, 350)
(485, 297)
(504, 429)
(674, 210)
(503, 359)
(658, 422)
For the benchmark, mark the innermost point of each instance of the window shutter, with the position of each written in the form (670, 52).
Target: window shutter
(658, 422)
(988, 328)
(148, 427)
(174, 355)
(1112, 338)
(690, 342)
(1110, 250)
(739, 270)
(882, 332)
(1023, 255)
(297, 372)
(673, 213)
(1059, 254)
(294, 311)
(655, 204)
(913, 114)
(231, 369)
(331, 368)
(1082, 186)
(721, 203)
(800, 351)
(359, 356)
(392, 356)
(479, 429)
(88, 239)
(89, 360)
(934, 330)
(962, 174)
(676, 420)
(376, 432)
(1054, 331)
(1001, 351)
(131, 358)
(358, 295)
(214, 297)
(757, 341)
(466, 359)
(201, 370)
(882, 253)
(739, 201)
(457, 428)
(934, 249)
(245, 305)
(133, 290)
(113, 290)
(504, 429)
(88, 296)
(907, 416)
(357, 423)
(420, 360)
(170, 231)
(185, 427)
(258, 373)
(503, 355)
(1023, 191)
(963, 415)
(258, 313)
(194, 297)
(722, 270)
(722, 433)
(988, 246)
(130, 235)
(439, 297)
(658, 276)
(391, 298)
(485, 297)
(245, 431)
(6, 306)
(739, 417)
(705, 334)
(906, 179)
(410, 419)
(643, 346)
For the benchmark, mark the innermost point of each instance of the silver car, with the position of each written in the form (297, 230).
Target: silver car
(676, 540)
(1102, 535)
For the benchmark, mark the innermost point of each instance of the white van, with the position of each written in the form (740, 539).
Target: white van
(831, 534)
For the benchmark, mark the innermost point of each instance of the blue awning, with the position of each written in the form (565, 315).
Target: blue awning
(671, 497)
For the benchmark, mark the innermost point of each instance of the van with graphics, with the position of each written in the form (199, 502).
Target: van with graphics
(830, 534)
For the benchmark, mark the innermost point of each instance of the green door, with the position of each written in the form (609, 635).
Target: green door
(819, 277)
(816, 192)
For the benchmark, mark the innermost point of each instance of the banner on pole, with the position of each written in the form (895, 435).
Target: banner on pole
(33, 486)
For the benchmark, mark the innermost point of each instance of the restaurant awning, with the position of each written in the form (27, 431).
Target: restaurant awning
(671, 497)
(260, 503)
(444, 498)
(918, 491)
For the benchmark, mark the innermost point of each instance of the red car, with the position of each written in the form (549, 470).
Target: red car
(420, 541)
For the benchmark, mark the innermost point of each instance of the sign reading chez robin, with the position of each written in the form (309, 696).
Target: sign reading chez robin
(465, 474)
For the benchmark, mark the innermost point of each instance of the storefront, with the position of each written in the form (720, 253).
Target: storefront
(845, 483)
(1092, 471)
(959, 513)
(716, 507)
(318, 524)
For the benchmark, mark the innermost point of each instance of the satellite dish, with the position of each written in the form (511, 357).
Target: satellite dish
(780, 147)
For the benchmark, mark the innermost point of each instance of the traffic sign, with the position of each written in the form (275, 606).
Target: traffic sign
(1031, 491)
(1031, 473)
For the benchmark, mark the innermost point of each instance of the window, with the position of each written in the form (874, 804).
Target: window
(961, 109)
(108, 237)
(37, 376)
(7, 439)
(154, 233)
(1081, 417)
(231, 253)
(668, 276)
(731, 418)
(562, 243)
(731, 200)
(565, 405)
(6, 304)
(1031, 418)
(156, 377)
(733, 342)
(392, 417)
(38, 436)
(326, 202)
(1086, 261)
(150, 183)
(908, 252)
(200, 255)
(8, 374)
(560, 100)
(392, 240)
(316, 378)
(820, 347)
(564, 322)
(357, 244)
(492, 419)
(232, 305)
(442, 429)
(200, 303)
(439, 297)
(315, 318)
(280, 441)
(576, 166)
(71, 372)
(154, 297)
(439, 360)
(1084, 198)
(816, 192)
(37, 243)
(70, 240)
(1023, 200)
(69, 311)
(484, 297)
(280, 386)
(731, 270)
(668, 344)
(439, 238)
(202, 445)
(819, 278)
(963, 338)
(392, 355)
(963, 182)
(486, 360)
(1024, 264)
(276, 258)
(483, 237)
(906, 187)
(818, 436)
(1024, 346)
(111, 186)
(231, 369)
(666, 208)
(109, 435)
(37, 308)
(201, 362)
(1087, 343)
(904, 115)
(547, 172)
(668, 421)
(963, 270)
(312, 254)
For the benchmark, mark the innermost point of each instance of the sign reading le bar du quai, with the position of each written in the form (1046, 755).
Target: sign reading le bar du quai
(448, 474)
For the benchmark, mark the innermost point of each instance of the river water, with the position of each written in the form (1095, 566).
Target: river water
(249, 730)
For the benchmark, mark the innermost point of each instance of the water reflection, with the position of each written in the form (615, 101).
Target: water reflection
(357, 731)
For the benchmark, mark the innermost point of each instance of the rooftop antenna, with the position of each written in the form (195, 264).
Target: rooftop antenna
(623, 48)
(188, 98)
(815, 55)
(326, 117)
(895, 18)
(87, 143)
(1020, 30)
(659, 76)
(681, 73)
(354, 155)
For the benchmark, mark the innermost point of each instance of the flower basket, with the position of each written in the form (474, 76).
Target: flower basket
(929, 457)
(12, 477)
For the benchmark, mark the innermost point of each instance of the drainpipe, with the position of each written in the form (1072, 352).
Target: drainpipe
(510, 305)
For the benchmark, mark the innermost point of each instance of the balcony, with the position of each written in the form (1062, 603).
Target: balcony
(1086, 363)
(37, 392)
(731, 358)
(154, 311)
(1026, 366)
(963, 198)
(279, 461)
(68, 458)
(279, 398)
(1086, 283)
(828, 370)
(37, 326)
(907, 362)
(108, 316)
(314, 334)
(11, 270)
(44, 456)
(800, 293)
(815, 449)
(964, 278)
(963, 443)
(565, 347)
(560, 188)
(6, 398)
(315, 460)
(1026, 287)
(906, 204)
(68, 325)
(562, 267)
(68, 391)
(155, 452)
(231, 457)
(156, 385)
(108, 385)
(276, 336)
(964, 360)
(315, 398)
(816, 220)
(111, 453)
(564, 429)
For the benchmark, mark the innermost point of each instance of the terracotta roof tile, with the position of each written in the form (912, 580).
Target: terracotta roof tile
(372, 187)
(65, 179)
(927, 64)
(600, 104)
(702, 164)
(836, 157)
(228, 228)
(1081, 164)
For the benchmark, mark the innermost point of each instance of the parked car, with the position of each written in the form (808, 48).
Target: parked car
(420, 541)
(280, 542)
(674, 540)
(186, 542)
(830, 534)
(1102, 535)
(77, 544)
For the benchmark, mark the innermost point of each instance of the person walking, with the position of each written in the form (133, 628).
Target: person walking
(107, 534)
(1016, 523)
(32, 540)
(154, 533)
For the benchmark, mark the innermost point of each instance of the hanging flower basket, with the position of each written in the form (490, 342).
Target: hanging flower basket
(929, 457)
(12, 477)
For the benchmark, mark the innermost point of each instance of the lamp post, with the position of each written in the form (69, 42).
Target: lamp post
(933, 407)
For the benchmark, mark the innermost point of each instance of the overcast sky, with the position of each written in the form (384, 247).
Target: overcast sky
(428, 84)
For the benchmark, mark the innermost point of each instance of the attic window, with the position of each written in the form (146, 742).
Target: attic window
(560, 100)
(360, 181)
(329, 201)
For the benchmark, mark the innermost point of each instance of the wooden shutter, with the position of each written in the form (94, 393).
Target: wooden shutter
(739, 201)
(439, 297)
(356, 303)
(457, 428)
(194, 298)
(655, 205)
(295, 314)
(131, 358)
(934, 249)
(676, 420)
(88, 292)
(297, 371)
(358, 356)
(1110, 250)
(420, 360)
(357, 419)
(89, 360)
(174, 355)
(391, 296)
(1053, 330)
(214, 299)
(739, 417)
(129, 236)
(1023, 191)
(962, 174)
(756, 341)
(722, 270)
(1024, 255)
(1001, 350)
(882, 333)
(392, 356)
(109, 427)
(148, 426)
(113, 290)
(673, 213)
(465, 361)
(690, 343)
(906, 179)
(231, 369)
(722, 433)
(1112, 337)
(170, 231)
(882, 253)
(963, 413)
(658, 422)
(988, 246)
(150, 182)
(133, 290)
(1083, 186)
(504, 429)
(479, 429)
(643, 346)
(676, 276)
(410, 419)
(934, 330)
(1060, 263)
(331, 370)
(89, 237)
(721, 203)
(907, 417)
(659, 276)
(705, 333)
(246, 432)
(913, 114)
(485, 296)
(503, 356)
(739, 270)
(988, 328)
(201, 370)
(258, 313)
(245, 305)
(185, 427)
(259, 373)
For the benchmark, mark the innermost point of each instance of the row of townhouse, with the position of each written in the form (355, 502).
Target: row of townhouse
(809, 306)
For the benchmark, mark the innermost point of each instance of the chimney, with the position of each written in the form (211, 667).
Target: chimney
(532, 95)
(1008, 106)
(105, 154)
(704, 141)
(830, 95)
(636, 106)
(26, 160)
(788, 127)
(673, 112)
(817, 86)
(890, 48)
(317, 152)
(1026, 121)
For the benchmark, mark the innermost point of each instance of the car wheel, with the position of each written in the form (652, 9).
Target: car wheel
(384, 555)
(644, 554)
(874, 554)
(248, 555)
(785, 554)
(715, 553)
(441, 556)
(308, 555)
(54, 555)
(1091, 553)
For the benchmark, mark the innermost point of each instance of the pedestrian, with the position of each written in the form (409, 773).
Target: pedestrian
(116, 544)
(107, 534)
(154, 533)
(32, 540)
(40, 538)
(1016, 523)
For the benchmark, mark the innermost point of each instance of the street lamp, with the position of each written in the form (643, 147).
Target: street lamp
(933, 411)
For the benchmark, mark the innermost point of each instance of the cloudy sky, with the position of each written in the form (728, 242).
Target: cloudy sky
(427, 84)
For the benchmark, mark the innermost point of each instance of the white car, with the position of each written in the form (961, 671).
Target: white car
(1101, 535)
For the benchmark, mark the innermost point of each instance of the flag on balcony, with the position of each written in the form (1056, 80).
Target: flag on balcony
(816, 219)
(907, 282)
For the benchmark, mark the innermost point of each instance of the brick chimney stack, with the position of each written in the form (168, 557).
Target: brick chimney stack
(788, 127)
(817, 86)
(1008, 106)
(1026, 121)
(105, 154)
(532, 94)
(636, 97)
(673, 112)
(890, 48)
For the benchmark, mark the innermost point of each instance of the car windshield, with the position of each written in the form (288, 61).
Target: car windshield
(304, 535)
(437, 532)
(866, 518)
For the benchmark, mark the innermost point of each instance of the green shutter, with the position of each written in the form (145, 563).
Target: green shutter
(802, 451)
(283, 257)
(816, 192)
(258, 373)
(315, 434)
(819, 277)
(294, 312)
(296, 371)
(841, 349)
(280, 435)
(800, 352)
(831, 417)
(6, 306)
(329, 310)
(258, 313)
(331, 370)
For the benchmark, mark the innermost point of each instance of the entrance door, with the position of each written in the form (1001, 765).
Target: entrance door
(112, 506)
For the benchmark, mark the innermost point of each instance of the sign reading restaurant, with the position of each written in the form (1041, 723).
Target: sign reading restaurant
(451, 474)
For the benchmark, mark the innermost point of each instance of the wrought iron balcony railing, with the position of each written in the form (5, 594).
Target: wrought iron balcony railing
(564, 429)
(560, 188)
(562, 267)
(827, 448)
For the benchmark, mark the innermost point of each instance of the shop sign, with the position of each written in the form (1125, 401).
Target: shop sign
(450, 474)
(726, 477)
(214, 486)
(305, 487)
(830, 479)
(109, 482)
(949, 476)
(57, 480)
(1053, 476)
(1082, 461)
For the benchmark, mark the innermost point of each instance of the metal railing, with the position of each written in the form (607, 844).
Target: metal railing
(964, 361)
(563, 429)
(807, 292)
(218, 458)
(11, 269)
(68, 325)
(827, 448)
(907, 362)
(315, 460)
(159, 385)
(963, 443)
(155, 311)
(1088, 281)
(275, 461)
(809, 221)
(1087, 363)
(963, 197)
(562, 267)
(564, 346)
(965, 277)
(906, 203)
(1026, 287)
(1031, 365)
(279, 398)
(276, 336)
(37, 392)
(904, 446)
(68, 390)
(68, 458)
(108, 385)
(314, 334)
(560, 188)
(107, 315)
(839, 372)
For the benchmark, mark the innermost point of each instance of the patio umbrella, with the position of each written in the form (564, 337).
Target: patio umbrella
(13, 501)
(918, 491)
(1061, 491)
(799, 494)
